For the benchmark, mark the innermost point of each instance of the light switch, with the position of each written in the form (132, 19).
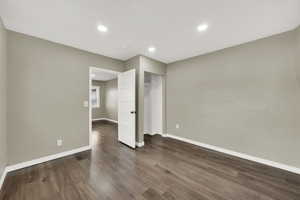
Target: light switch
(177, 126)
(59, 142)
(86, 104)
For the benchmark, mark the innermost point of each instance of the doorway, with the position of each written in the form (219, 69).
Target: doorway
(112, 101)
(103, 99)
(153, 104)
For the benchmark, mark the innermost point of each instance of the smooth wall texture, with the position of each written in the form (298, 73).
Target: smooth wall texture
(101, 111)
(47, 85)
(132, 63)
(298, 49)
(244, 98)
(3, 75)
(111, 99)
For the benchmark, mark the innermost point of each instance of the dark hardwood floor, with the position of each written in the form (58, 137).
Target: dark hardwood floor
(165, 169)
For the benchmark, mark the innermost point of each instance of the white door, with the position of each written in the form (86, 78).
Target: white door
(126, 109)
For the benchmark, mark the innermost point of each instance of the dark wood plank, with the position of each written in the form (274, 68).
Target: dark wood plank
(165, 169)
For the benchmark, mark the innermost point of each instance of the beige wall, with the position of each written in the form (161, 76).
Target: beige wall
(111, 99)
(153, 66)
(132, 63)
(244, 98)
(47, 84)
(298, 49)
(3, 75)
(101, 111)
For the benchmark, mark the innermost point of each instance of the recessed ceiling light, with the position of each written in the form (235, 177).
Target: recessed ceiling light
(151, 49)
(202, 27)
(102, 28)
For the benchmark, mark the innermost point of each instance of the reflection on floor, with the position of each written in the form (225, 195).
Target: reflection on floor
(164, 169)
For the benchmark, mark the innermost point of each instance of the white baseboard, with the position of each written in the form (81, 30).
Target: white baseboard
(162, 134)
(111, 120)
(45, 159)
(148, 133)
(140, 144)
(105, 119)
(97, 119)
(2, 178)
(240, 155)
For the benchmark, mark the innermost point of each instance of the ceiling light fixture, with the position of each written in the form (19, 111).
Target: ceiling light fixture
(102, 28)
(202, 27)
(151, 49)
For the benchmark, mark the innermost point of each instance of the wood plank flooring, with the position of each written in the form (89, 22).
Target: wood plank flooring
(165, 169)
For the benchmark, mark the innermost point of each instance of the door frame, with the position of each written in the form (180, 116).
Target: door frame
(90, 99)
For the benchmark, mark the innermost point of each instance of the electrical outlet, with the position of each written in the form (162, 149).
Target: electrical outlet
(177, 126)
(59, 142)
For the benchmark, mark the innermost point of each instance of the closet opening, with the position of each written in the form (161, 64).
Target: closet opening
(153, 104)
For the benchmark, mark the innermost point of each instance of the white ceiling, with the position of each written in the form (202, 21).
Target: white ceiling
(103, 75)
(134, 25)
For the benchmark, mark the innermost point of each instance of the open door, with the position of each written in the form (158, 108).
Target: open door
(126, 109)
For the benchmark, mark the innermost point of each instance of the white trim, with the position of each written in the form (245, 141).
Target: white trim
(105, 119)
(45, 159)
(104, 70)
(162, 134)
(140, 144)
(98, 119)
(3, 177)
(97, 88)
(111, 120)
(147, 133)
(240, 155)
(90, 107)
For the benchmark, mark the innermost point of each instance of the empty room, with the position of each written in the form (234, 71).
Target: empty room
(150, 100)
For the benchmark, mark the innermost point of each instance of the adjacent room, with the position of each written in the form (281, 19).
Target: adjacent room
(150, 100)
(103, 103)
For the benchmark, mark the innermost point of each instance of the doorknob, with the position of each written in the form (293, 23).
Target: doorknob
(132, 112)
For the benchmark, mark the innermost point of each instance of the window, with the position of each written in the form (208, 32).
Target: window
(95, 97)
